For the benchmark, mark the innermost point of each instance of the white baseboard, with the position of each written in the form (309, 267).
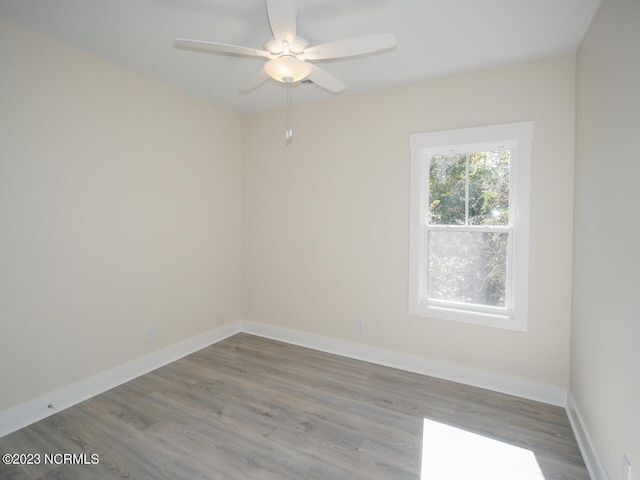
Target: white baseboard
(34, 410)
(589, 453)
(413, 363)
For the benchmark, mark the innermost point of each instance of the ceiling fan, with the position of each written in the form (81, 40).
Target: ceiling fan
(289, 56)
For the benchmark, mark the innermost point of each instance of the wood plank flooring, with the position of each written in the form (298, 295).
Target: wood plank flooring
(253, 408)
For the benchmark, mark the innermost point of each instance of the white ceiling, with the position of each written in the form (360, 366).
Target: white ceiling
(435, 38)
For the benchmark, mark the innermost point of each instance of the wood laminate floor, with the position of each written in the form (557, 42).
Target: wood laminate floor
(253, 408)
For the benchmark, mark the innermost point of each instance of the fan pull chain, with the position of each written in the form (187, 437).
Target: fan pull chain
(288, 135)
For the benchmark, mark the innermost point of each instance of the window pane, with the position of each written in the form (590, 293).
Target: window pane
(467, 267)
(447, 178)
(489, 188)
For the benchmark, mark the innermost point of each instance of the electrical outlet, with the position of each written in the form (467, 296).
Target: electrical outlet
(626, 468)
(360, 325)
(221, 309)
(149, 334)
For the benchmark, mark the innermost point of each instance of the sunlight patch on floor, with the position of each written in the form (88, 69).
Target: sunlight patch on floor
(449, 453)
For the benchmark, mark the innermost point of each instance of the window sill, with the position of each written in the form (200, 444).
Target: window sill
(507, 321)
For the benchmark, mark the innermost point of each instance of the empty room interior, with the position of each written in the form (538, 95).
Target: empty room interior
(202, 277)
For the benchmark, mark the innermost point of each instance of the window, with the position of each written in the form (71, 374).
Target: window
(469, 237)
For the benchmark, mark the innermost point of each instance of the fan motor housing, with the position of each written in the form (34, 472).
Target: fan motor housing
(298, 47)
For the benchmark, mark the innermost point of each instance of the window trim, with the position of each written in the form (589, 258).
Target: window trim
(518, 137)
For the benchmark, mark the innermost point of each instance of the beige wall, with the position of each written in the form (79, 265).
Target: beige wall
(325, 225)
(120, 208)
(605, 381)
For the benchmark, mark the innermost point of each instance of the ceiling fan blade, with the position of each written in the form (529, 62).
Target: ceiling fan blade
(324, 79)
(214, 47)
(282, 18)
(351, 47)
(255, 81)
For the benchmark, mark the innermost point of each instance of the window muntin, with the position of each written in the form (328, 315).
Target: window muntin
(469, 225)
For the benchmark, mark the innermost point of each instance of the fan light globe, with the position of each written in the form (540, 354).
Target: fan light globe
(287, 69)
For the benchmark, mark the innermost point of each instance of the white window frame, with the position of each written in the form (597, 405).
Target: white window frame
(517, 137)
